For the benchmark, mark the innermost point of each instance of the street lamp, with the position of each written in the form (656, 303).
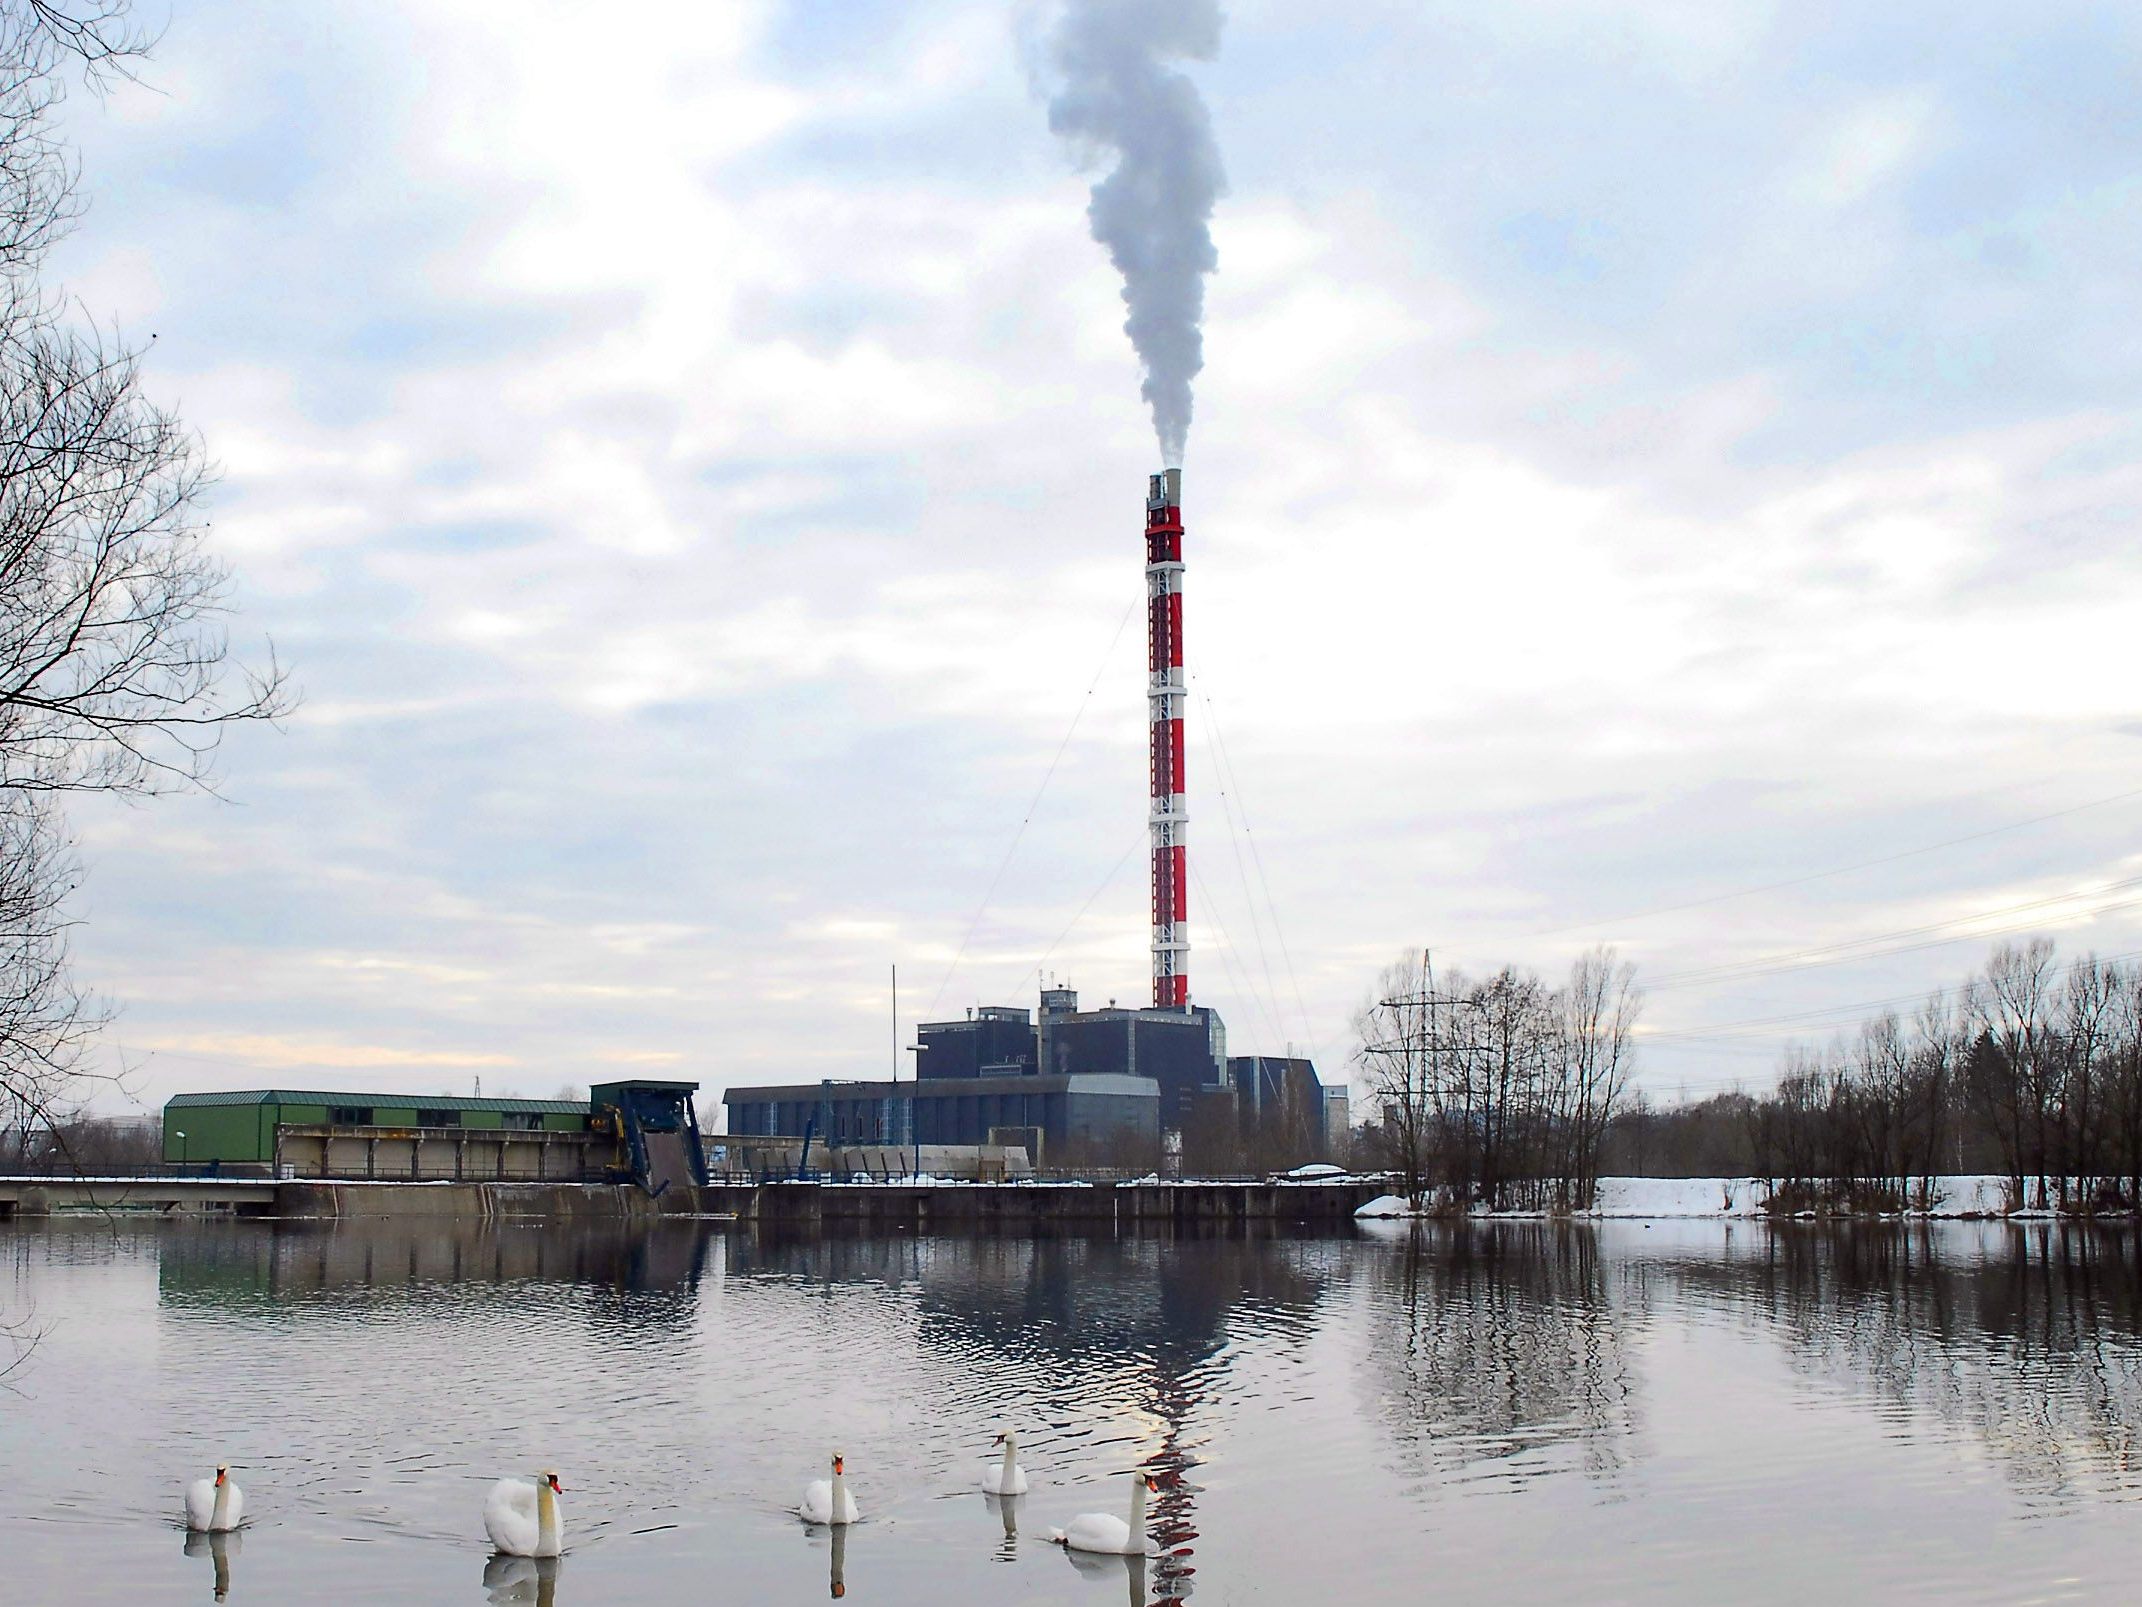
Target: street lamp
(180, 1135)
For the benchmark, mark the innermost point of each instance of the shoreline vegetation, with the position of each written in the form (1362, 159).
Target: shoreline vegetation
(2016, 1093)
(1973, 1197)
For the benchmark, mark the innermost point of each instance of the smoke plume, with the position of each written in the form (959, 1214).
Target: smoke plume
(1154, 210)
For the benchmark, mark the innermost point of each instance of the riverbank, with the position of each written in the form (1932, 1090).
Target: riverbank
(931, 1205)
(901, 1207)
(1966, 1197)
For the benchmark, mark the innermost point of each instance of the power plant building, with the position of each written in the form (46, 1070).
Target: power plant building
(1183, 1050)
(1068, 1083)
(1073, 1082)
(1127, 1080)
(994, 1041)
(1048, 1115)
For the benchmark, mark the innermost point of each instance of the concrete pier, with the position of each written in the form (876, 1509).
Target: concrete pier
(1021, 1207)
(900, 1207)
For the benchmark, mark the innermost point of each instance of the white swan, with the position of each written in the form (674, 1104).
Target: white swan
(524, 1517)
(828, 1500)
(1007, 1477)
(215, 1505)
(1103, 1531)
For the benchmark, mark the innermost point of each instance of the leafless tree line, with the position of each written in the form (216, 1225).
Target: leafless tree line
(116, 673)
(2031, 1070)
(99, 1146)
(1500, 1091)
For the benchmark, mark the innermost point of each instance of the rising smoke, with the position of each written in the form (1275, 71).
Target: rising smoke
(1154, 210)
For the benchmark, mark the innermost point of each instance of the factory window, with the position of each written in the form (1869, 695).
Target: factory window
(522, 1121)
(350, 1115)
(440, 1118)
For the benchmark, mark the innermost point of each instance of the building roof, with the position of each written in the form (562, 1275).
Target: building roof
(1077, 1082)
(290, 1096)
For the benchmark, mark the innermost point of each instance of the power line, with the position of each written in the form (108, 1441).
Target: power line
(1249, 995)
(1249, 899)
(1803, 958)
(1726, 1030)
(1841, 870)
(1105, 883)
(1234, 785)
(1035, 803)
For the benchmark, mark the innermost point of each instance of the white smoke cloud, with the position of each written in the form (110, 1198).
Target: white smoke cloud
(1153, 211)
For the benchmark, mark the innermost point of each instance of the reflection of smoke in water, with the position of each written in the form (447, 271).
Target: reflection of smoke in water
(1153, 211)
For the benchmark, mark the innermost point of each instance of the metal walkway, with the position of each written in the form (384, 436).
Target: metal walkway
(37, 1195)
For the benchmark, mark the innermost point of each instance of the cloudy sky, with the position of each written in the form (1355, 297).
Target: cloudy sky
(1665, 475)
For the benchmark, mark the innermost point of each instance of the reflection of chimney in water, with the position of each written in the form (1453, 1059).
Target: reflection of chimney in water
(1164, 702)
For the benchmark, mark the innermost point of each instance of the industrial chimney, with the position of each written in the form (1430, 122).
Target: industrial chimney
(1164, 699)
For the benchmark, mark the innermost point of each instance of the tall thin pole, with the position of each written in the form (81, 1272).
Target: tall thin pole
(895, 1101)
(1164, 701)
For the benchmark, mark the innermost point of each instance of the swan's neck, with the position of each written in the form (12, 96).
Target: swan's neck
(1137, 1504)
(220, 1514)
(840, 1492)
(1011, 1465)
(546, 1513)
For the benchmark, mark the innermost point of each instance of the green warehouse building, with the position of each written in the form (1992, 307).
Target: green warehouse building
(640, 1130)
(238, 1128)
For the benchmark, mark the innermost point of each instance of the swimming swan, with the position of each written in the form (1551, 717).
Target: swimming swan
(522, 1516)
(1101, 1531)
(215, 1505)
(828, 1500)
(1007, 1477)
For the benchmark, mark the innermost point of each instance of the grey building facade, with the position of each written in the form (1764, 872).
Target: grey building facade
(994, 1041)
(1071, 1113)
(1184, 1051)
(1078, 1080)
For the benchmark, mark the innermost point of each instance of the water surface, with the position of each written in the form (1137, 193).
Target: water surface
(1519, 1412)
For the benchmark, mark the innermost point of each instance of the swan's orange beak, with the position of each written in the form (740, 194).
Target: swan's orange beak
(1152, 1484)
(555, 1485)
(836, 1464)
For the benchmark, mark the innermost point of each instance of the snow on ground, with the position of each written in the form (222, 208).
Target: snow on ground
(1680, 1196)
(1660, 1198)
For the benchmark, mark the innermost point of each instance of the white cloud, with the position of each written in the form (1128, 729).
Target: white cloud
(699, 493)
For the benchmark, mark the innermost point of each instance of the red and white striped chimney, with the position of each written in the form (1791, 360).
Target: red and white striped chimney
(1164, 699)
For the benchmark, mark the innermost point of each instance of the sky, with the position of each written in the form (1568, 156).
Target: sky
(1664, 475)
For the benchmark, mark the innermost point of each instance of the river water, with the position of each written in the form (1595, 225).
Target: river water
(1513, 1413)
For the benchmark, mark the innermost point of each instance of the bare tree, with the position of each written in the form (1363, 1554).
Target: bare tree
(1600, 1007)
(116, 672)
(2029, 1069)
(1396, 1055)
(1499, 1092)
(45, 1021)
(2014, 1074)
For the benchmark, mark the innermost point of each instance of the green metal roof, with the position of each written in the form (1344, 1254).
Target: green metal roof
(288, 1096)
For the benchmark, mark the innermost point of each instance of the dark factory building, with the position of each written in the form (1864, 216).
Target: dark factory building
(1079, 1079)
(1071, 1114)
(1275, 1082)
(994, 1041)
(1282, 1096)
(1184, 1051)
